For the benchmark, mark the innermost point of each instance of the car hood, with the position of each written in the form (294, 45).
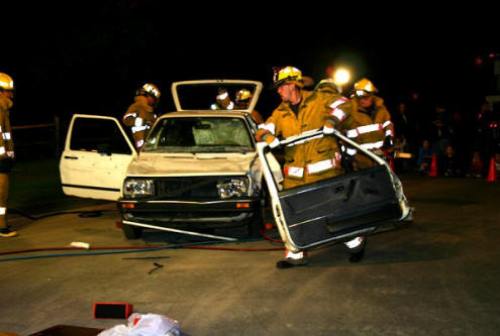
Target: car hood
(175, 164)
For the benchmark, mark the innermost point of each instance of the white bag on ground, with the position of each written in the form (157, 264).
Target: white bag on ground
(145, 325)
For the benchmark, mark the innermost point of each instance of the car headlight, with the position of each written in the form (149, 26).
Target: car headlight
(233, 187)
(138, 187)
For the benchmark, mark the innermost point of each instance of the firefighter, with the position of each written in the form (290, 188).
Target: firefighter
(222, 101)
(316, 159)
(373, 129)
(6, 150)
(140, 116)
(242, 101)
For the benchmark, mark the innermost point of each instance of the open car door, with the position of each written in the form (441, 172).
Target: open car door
(338, 208)
(96, 155)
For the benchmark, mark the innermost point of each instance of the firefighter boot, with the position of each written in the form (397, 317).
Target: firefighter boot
(356, 248)
(292, 260)
(5, 231)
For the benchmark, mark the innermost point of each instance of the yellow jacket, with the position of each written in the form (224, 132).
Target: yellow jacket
(140, 117)
(6, 142)
(315, 159)
(370, 127)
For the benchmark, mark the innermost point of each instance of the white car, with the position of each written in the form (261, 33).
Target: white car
(198, 169)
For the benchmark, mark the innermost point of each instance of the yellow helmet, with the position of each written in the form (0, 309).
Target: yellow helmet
(149, 90)
(288, 74)
(243, 95)
(364, 87)
(6, 82)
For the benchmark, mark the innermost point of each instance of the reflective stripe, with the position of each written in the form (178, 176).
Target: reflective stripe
(369, 128)
(294, 171)
(339, 114)
(294, 256)
(138, 122)
(139, 143)
(351, 151)
(338, 102)
(372, 145)
(269, 127)
(230, 106)
(3, 211)
(222, 96)
(136, 129)
(363, 129)
(2, 150)
(9, 84)
(388, 132)
(387, 123)
(352, 133)
(361, 93)
(6, 136)
(320, 166)
(130, 115)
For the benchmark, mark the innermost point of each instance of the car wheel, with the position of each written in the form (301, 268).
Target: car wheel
(131, 232)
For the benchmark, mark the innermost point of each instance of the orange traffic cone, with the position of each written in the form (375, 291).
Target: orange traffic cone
(492, 171)
(433, 171)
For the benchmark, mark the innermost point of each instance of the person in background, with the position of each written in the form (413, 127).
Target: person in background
(242, 101)
(6, 150)
(424, 158)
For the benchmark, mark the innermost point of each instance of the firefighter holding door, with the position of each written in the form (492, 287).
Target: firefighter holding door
(314, 160)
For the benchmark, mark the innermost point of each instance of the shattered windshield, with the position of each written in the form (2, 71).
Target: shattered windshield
(199, 135)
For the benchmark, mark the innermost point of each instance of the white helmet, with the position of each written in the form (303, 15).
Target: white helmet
(149, 90)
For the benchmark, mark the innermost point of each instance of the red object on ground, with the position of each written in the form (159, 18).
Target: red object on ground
(492, 171)
(433, 171)
(114, 310)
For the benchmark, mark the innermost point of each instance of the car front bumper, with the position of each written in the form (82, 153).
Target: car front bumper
(200, 214)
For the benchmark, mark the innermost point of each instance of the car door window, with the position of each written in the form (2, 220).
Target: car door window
(98, 135)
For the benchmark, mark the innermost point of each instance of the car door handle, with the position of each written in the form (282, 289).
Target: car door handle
(71, 157)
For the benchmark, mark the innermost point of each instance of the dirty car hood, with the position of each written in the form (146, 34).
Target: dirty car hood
(157, 164)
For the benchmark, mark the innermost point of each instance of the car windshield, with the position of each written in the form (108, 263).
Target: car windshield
(199, 135)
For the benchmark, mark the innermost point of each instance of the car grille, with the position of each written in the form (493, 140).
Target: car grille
(188, 188)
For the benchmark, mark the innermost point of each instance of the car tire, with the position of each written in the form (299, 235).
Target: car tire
(131, 232)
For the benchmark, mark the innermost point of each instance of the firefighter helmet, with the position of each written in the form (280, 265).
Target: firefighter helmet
(243, 95)
(6, 82)
(364, 87)
(288, 74)
(149, 89)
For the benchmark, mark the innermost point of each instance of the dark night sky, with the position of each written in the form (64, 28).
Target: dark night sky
(90, 59)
